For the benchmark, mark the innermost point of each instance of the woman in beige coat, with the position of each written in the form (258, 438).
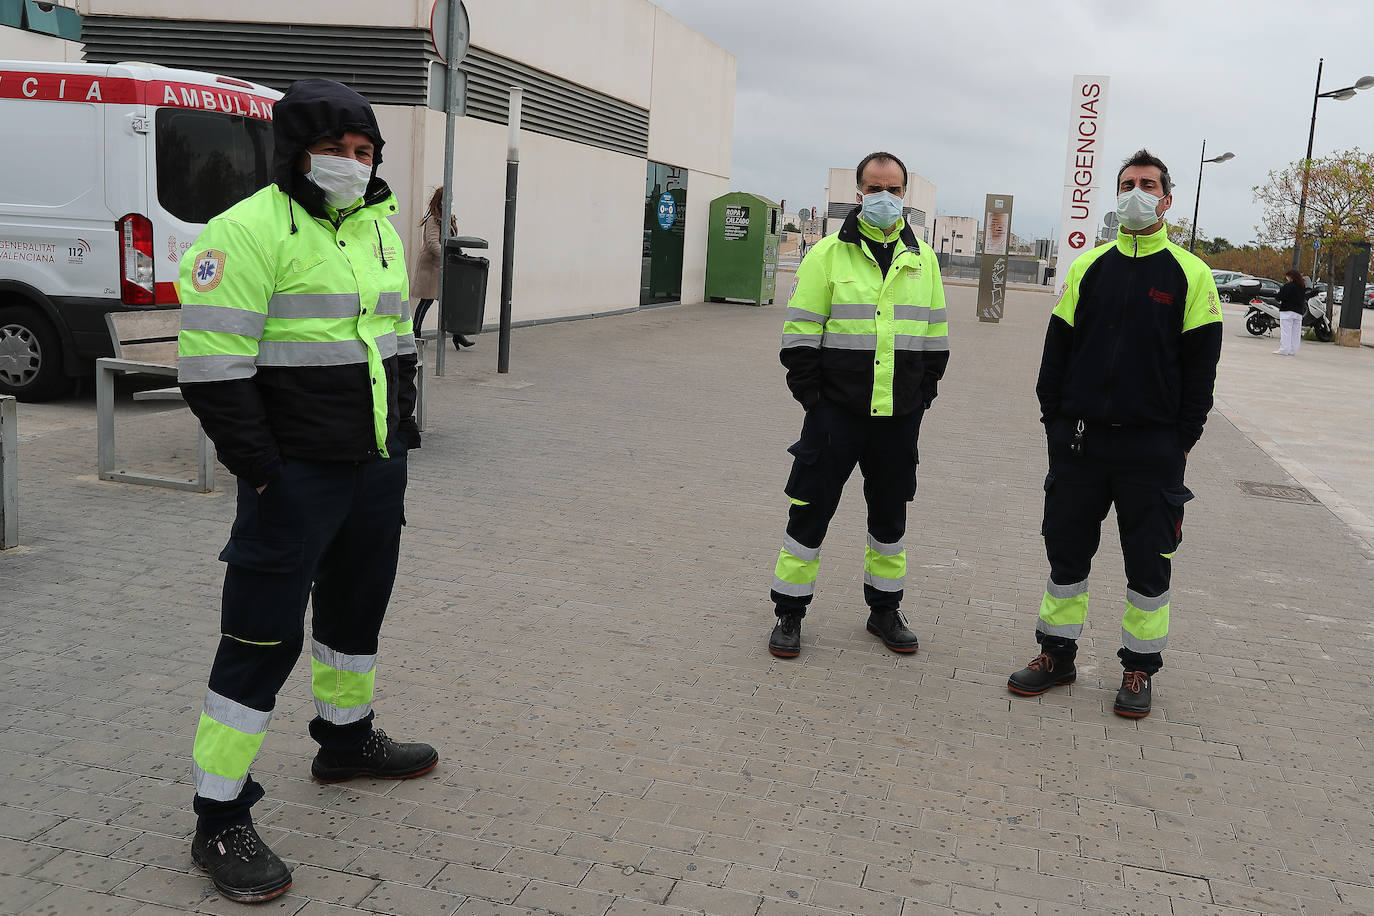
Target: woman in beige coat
(425, 285)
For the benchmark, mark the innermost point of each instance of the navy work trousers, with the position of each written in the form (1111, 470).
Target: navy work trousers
(834, 440)
(1139, 470)
(327, 529)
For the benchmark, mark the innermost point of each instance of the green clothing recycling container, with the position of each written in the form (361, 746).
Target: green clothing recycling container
(742, 248)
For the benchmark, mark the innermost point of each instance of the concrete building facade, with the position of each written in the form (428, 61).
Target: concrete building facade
(955, 235)
(623, 104)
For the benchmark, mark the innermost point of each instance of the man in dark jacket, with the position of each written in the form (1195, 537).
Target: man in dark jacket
(297, 356)
(865, 342)
(1125, 386)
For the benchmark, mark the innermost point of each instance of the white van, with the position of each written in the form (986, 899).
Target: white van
(107, 175)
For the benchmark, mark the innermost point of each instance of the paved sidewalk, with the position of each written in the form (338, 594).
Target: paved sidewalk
(580, 625)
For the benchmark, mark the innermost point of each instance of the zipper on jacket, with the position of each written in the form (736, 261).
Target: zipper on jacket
(1109, 382)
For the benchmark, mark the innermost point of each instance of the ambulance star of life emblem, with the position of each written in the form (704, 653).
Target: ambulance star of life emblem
(208, 270)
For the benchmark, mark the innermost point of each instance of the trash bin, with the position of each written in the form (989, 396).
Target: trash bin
(742, 248)
(463, 299)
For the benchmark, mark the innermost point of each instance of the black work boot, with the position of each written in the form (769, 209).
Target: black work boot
(1043, 672)
(379, 757)
(890, 627)
(785, 640)
(1133, 699)
(240, 864)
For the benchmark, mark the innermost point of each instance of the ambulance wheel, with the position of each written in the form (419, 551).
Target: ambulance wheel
(30, 355)
(1255, 324)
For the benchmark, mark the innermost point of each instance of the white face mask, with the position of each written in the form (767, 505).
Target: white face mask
(342, 180)
(1136, 209)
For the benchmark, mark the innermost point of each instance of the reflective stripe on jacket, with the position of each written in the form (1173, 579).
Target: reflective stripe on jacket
(296, 335)
(872, 344)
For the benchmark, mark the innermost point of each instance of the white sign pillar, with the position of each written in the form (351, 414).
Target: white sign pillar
(1084, 168)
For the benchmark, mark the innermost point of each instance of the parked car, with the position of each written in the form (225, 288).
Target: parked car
(1369, 297)
(1222, 277)
(1247, 288)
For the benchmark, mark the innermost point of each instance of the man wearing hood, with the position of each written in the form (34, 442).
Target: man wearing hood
(298, 357)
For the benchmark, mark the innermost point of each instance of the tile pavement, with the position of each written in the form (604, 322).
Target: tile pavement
(579, 623)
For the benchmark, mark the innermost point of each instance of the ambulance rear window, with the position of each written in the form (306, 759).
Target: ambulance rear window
(208, 161)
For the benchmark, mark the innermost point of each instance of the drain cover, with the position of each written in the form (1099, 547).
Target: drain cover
(1276, 491)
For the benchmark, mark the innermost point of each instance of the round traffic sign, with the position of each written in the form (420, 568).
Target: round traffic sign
(1076, 240)
(438, 30)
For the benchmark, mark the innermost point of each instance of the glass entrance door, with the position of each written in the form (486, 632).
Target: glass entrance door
(665, 221)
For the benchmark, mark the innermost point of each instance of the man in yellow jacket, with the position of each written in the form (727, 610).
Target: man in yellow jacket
(297, 355)
(865, 343)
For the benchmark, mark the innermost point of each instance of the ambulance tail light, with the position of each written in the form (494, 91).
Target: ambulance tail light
(136, 286)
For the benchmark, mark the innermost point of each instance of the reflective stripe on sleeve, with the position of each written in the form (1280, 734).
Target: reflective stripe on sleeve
(801, 340)
(795, 313)
(216, 368)
(222, 319)
(833, 341)
(387, 345)
(913, 342)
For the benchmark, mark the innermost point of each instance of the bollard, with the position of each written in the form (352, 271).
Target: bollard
(9, 473)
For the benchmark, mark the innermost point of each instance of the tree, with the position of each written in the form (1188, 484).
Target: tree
(790, 227)
(1340, 201)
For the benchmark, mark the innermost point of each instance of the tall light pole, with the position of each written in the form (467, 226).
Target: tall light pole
(1192, 236)
(1339, 95)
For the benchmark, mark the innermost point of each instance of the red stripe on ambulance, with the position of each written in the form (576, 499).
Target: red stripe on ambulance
(114, 90)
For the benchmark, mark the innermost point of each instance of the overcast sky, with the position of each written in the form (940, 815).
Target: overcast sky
(974, 94)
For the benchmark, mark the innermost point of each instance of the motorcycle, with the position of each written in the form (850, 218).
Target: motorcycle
(1262, 317)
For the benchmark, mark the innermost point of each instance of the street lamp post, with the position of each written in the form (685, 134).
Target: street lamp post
(1340, 95)
(1192, 236)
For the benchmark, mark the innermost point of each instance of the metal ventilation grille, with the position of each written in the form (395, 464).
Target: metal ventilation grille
(553, 106)
(913, 216)
(839, 209)
(387, 66)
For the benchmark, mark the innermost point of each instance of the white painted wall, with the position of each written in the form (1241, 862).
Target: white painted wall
(606, 45)
(692, 117)
(579, 215)
(19, 44)
(702, 188)
(957, 235)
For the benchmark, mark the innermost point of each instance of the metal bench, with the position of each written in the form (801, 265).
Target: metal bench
(144, 342)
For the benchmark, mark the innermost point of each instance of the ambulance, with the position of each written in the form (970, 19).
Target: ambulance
(107, 175)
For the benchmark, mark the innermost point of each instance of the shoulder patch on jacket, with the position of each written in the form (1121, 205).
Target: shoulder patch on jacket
(208, 270)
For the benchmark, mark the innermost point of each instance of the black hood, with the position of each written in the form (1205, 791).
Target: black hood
(311, 109)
